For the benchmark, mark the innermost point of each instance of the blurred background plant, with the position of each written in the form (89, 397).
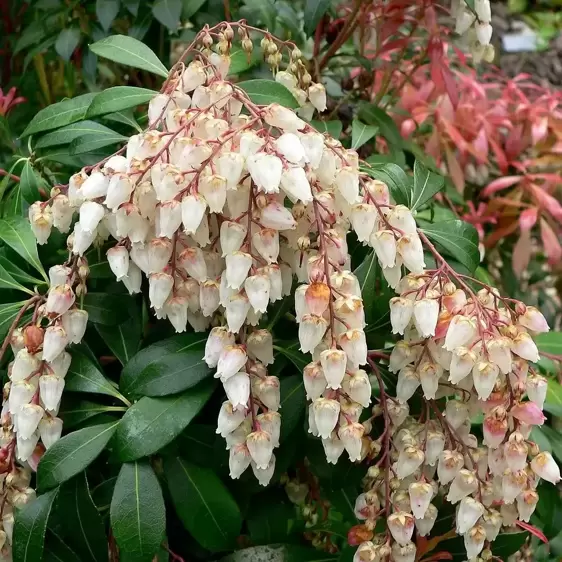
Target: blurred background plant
(402, 86)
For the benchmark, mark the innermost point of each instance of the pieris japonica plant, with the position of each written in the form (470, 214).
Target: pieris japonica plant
(225, 213)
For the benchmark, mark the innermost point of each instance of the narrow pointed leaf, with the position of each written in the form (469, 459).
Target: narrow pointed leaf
(264, 92)
(16, 233)
(8, 313)
(151, 423)
(168, 13)
(314, 11)
(333, 128)
(29, 183)
(72, 453)
(426, 185)
(106, 11)
(119, 98)
(94, 141)
(60, 114)
(131, 52)
(138, 515)
(204, 505)
(67, 41)
(67, 134)
(30, 527)
(8, 282)
(361, 133)
(124, 339)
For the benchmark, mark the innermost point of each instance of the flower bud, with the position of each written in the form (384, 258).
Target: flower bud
(401, 527)
(54, 342)
(326, 414)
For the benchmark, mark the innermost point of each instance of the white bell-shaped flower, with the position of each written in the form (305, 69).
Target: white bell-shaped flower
(526, 504)
(363, 218)
(290, 147)
(176, 309)
(275, 216)
(50, 391)
(409, 460)
(41, 221)
(351, 436)
(62, 213)
(95, 186)
(314, 381)
(119, 191)
(118, 259)
(24, 365)
(537, 387)
(60, 299)
(426, 313)
(260, 445)
(311, 331)
(524, 346)
(264, 475)
(462, 363)
(217, 342)
(326, 415)
(237, 309)
(474, 541)
(28, 419)
(347, 183)
(334, 362)
(192, 210)
(231, 237)
(407, 383)
(168, 218)
(213, 189)
(54, 342)
(296, 185)
(545, 467)
(464, 483)
(283, 118)
(159, 288)
(401, 527)
(91, 214)
(354, 343)
(50, 430)
(420, 497)
(410, 249)
(484, 375)
(193, 261)
(237, 388)
(133, 279)
(425, 525)
(239, 460)
(74, 323)
(470, 510)
(333, 448)
(401, 312)
(237, 267)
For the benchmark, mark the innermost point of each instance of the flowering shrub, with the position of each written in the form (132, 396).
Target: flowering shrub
(286, 266)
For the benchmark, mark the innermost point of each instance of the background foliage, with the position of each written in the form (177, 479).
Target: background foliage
(140, 464)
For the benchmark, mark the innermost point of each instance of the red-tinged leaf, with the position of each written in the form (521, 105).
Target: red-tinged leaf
(547, 202)
(533, 530)
(499, 184)
(450, 83)
(522, 253)
(358, 534)
(390, 46)
(528, 219)
(539, 129)
(481, 145)
(424, 546)
(552, 247)
(455, 170)
(500, 233)
(500, 156)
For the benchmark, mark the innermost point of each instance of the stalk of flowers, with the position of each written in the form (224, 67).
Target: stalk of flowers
(196, 203)
(32, 396)
(473, 348)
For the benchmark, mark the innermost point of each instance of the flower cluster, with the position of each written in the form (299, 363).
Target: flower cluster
(221, 203)
(476, 24)
(473, 349)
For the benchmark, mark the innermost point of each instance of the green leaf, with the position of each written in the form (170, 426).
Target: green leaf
(60, 114)
(314, 10)
(151, 423)
(399, 183)
(67, 134)
(106, 12)
(168, 13)
(203, 504)
(19, 274)
(8, 282)
(29, 183)
(56, 549)
(8, 313)
(74, 412)
(293, 402)
(191, 7)
(124, 339)
(79, 522)
(239, 61)
(30, 527)
(92, 142)
(550, 342)
(426, 185)
(373, 115)
(138, 514)
(14, 203)
(67, 41)
(131, 52)
(458, 239)
(375, 291)
(361, 133)
(118, 98)
(166, 367)
(84, 376)
(553, 401)
(125, 117)
(72, 454)
(333, 128)
(264, 92)
(16, 233)
(107, 308)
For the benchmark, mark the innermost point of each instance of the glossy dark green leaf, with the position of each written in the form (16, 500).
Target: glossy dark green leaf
(291, 350)
(138, 514)
(67, 41)
(426, 185)
(84, 376)
(376, 292)
(103, 492)
(168, 13)
(166, 367)
(239, 61)
(126, 117)
(550, 342)
(264, 92)
(361, 133)
(67, 134)
(204, 504)
(553, 401)
(107, 308)
(314, 10)
(124, 339)
(373, 115)
(119, 98)
(19, 274)
(74, 411)
(399, 183)
(57, 550)
(271, 518)
(16, 233)
(30, 527)
(72, 453)
(60, 114)
(8, 282)
(151, 423)
(458, 239)
(78, 522)
(29, 183)
(106, 12)
(8, 313)
(98, 264)
(333, 128)
(293, 402)
(94, 141)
